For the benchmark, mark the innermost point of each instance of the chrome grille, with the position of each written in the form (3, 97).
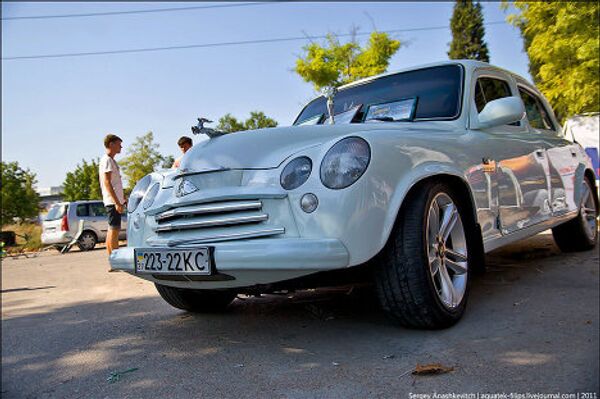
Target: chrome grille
(216, 221)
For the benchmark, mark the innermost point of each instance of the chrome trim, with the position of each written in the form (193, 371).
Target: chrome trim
(498, 241)
(216, 238)
(204, 209)
(213, 222)
(209, 196)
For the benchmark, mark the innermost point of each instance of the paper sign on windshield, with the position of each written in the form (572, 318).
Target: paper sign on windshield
(395, 111)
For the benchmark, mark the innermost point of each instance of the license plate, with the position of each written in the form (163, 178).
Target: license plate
(169, 261)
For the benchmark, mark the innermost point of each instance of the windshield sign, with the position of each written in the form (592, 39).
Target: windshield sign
(438, 90)
(402, 110)
(345, 117)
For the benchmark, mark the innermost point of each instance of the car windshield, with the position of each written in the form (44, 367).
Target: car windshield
(430, 93)
(56, 212)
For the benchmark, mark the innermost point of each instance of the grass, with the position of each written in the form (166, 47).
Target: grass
(31, 230)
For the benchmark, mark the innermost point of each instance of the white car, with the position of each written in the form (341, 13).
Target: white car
(64, 219)
(421, 173)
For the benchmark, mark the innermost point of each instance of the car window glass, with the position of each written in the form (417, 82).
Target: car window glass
(98, 209)
(438, 91)
(56, 212)
(82, 210)
(489, 89)
(536, 113)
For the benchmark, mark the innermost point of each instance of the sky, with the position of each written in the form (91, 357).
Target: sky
(56, 111)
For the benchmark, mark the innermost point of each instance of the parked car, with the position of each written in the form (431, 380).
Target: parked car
(61, 224)
(421, 173)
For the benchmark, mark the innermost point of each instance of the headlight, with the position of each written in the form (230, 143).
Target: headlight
(138, 193)
(345, 163)
(150, 195)
(296, 173)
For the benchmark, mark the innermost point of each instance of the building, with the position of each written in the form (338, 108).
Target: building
(50, 196)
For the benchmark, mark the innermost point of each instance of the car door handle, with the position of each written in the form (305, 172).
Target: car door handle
(573, 153)
(539, 153)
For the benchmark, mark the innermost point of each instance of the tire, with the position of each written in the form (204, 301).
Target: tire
(60, 248)
(197, 301)
(581, 233)
(87, 241)
(412, 291)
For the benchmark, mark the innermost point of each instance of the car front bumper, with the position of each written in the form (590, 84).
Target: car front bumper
(251, 262)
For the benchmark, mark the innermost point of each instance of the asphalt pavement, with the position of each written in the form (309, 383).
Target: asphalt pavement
(70, 329)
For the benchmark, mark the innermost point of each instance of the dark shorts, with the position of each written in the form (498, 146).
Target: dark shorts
(114, 217)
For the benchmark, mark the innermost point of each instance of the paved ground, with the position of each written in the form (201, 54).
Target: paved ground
(67, 324)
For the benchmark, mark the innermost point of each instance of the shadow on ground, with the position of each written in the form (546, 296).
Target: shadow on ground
(323, 343)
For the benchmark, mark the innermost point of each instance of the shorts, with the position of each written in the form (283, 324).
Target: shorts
(114, 217)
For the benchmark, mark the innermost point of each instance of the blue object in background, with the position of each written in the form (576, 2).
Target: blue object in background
(593, 154)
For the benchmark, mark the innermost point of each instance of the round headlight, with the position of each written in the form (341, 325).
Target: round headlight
(138, 193)
(296, 173)
(150, 195)
(345, 162)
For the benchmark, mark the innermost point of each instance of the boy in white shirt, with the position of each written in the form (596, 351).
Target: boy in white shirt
(112, 189)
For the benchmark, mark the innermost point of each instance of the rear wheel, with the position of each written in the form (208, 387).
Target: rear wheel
(87, 241)
(581, 233)
(198, 301)
(423, 279)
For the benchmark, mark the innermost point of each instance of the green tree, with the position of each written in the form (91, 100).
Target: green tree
(19, 198)
(167, 161)
(334, 64)
(561, 40)
(83, 182)
(142, 158)
(467, 32)
(257, 120)
(228, 123)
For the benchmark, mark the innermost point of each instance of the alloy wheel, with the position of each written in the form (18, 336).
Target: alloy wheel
(588, 211)
(447, 251)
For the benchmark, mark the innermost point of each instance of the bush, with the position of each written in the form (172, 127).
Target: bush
(30, 230)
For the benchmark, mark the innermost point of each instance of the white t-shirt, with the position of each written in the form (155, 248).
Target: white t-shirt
(107, 164)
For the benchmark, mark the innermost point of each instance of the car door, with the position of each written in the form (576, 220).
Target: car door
(99, 220)
(515, 158)
(563, 155)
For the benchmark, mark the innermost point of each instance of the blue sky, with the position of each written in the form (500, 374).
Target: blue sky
(55, 112)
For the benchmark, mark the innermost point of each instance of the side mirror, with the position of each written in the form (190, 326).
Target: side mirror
(501, 112)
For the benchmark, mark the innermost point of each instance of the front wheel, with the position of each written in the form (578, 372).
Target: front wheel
(197, 301)
(424, 277)
(581, 233)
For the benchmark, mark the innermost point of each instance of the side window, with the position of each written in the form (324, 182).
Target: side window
(82, 210)
(97, 209)
(489, 89)
(536, 113)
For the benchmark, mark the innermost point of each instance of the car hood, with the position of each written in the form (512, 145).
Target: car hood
(268, 148)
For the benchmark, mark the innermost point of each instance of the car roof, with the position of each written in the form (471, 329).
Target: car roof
(77, 202)
(469, 65)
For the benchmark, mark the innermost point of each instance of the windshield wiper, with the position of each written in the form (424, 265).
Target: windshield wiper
(382, 119)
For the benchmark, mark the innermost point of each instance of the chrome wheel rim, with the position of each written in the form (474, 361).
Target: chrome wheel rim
(447, 251)
(87, 241)
(588, 211)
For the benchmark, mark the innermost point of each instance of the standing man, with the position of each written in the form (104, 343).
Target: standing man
(112, 190)
(185, 143)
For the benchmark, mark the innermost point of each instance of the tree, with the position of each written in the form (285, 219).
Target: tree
(467, 32)
(257, 120)
(334, 64)
(561, 40)
(228, 123)
(19, 198)
(83, 182)
(142, 158)
(167, 161)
